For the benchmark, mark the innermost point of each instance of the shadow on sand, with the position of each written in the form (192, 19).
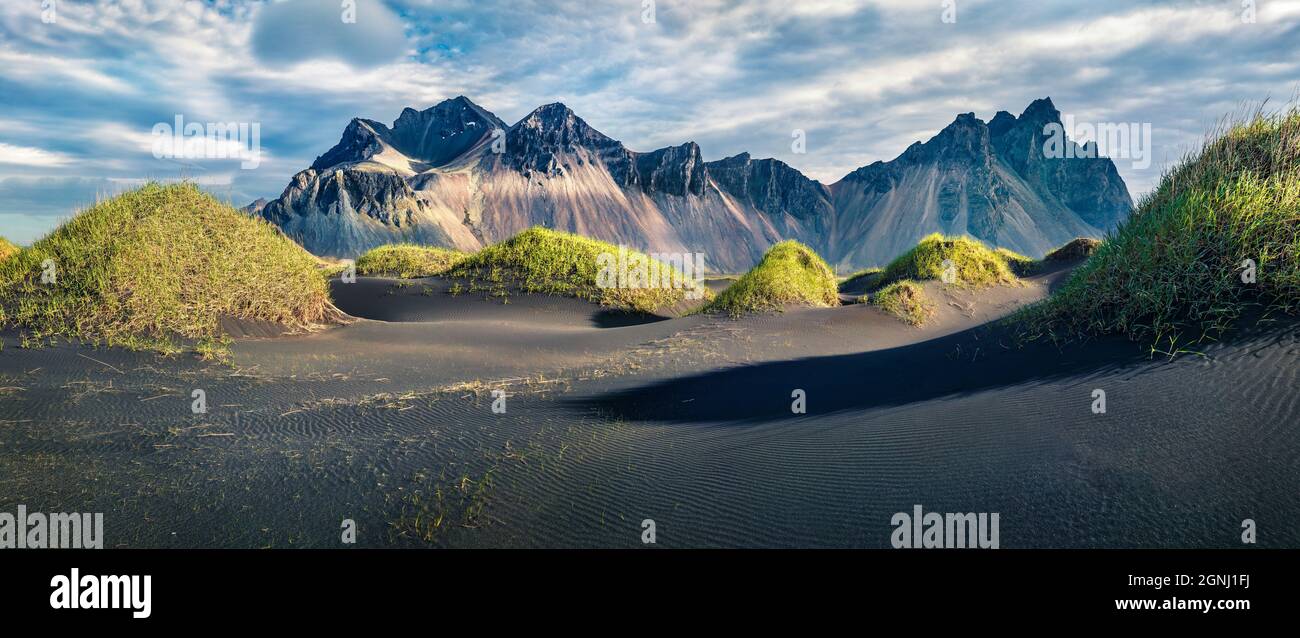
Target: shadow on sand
(606, 318)
(964, 363)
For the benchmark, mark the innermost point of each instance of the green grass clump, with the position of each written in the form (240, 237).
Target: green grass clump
(1019, 264)
(408, 261)
(975, 265)
(1172, 272)
(330, 271)
(906, 300)
(158, 264)
(789, 274)
(1079, 248)
(861, 281)
(7, 249)
(540, 260)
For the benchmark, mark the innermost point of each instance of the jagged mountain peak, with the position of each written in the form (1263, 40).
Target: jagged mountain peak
(553, 110)
(459, 107)
(742, 157)
(443, 131)
(1040, 111)
(552, 136)
(428, 138)
(361, 140)
(776, 188)
(1002, 122)
(966, 139)
(551, 116)
(557, 124)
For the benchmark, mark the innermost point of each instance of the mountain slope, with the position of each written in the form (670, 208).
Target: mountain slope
(455, 175)
(990, 181)
(1089, 187)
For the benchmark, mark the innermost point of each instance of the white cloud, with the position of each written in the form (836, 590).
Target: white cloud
(29, 156)
(865, 78)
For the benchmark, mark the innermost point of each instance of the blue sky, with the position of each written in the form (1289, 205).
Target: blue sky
(81, 93)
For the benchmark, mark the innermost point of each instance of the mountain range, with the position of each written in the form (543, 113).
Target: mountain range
(456, 175)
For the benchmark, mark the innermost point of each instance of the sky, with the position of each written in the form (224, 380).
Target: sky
(84, 85)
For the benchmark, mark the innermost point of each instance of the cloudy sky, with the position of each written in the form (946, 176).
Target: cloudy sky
(83, 85)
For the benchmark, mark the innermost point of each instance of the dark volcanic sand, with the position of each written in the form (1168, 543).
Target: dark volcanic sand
(611, 420)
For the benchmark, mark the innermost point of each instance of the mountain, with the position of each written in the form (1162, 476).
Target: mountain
(455, 175)
(1090, 187)
(255, 208)
(990, 181)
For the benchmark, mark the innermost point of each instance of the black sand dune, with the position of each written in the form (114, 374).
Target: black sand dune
(413, 336)
(389, 421)
(428, 299)
(964, 364)
(902, 365)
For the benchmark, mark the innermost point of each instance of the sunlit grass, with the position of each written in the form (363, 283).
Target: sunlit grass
(1172, 273)
(7, 249)
(1019, 264)
(906, 300)
(790, 273)
(973, 264)
(540, 260)
(1080, 248)
(156, 265)
(408, 261)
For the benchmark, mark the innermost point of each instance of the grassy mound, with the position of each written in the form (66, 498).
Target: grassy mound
(974, 264)
(1079, 248)
(7, 249)
(157, 264)
(861, 281)
(540, 260)
(789, 274)
(408, 261)
(1173, 272)
(1019, 264)
(906, 300)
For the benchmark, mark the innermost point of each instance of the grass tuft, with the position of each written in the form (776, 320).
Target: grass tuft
(540, 260)
(1020, 265)
(408, 261)
(160, 263)
(1173, 272)
(1080, 248)
(975, 265)
(789, 274)
(7, 249)
(906, 300)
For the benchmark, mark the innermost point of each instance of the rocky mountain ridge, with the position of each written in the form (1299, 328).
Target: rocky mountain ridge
(455, 175)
